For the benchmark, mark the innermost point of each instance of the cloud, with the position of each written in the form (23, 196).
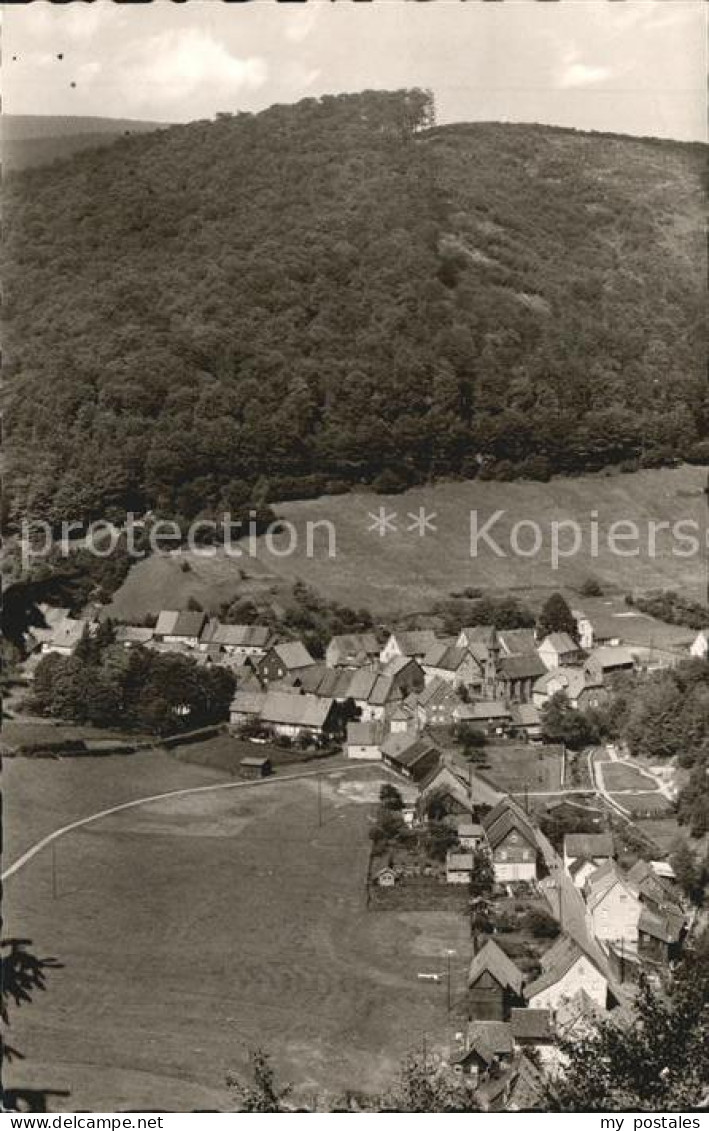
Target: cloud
(300, 22)
(581, 74)
(182, 64)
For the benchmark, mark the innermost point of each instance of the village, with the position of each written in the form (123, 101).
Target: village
(559, 932)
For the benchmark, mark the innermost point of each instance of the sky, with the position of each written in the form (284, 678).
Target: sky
(628, 66)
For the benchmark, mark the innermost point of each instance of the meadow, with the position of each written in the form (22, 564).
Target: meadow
(405, 571)
(195, 928)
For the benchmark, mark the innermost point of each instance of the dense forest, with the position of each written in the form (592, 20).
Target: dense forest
(339, 292)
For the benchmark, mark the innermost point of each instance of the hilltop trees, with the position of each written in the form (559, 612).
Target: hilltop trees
(281, 304)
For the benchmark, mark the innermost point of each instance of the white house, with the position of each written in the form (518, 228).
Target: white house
(700, 645)
(456, 666)
(613, 905)
(558, 650)
(414, 644)
(364, 741)
(180, 628)
(566, 969)
(247, 640)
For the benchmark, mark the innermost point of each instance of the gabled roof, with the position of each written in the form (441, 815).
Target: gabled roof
(414, 642)
(248, 702)
(494, 1035)
(383, 691)
(241, 635)
(653, 887)
(188, 623)
(520, 667)
(293, 654)
(459, 861)
(589, 846)
(558, 960)
(167, 619)
(484, 635)
(407, 750)
(482, 710)
(609, 657)
(525, 715)
(493, 960)
(362, 683)
(435, 692)
(517, 641)
(466, 827)
(295, 710)
(571, 680)
(446, 656)
(354, 645)
(531, 1024)
(397, 664)
(363, 734)
(505, 817)
(666, 925)
(560, 642)
(600, 882)
(133, 634)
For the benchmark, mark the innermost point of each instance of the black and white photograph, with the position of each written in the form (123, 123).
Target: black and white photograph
(355, 561)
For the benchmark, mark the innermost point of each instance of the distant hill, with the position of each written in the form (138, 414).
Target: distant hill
(29, 139)
(271, 306)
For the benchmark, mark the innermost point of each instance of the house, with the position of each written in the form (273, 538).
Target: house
(436, 704)
(65, 635)
(566, 969)
(405, 673)
(580, 688)
(455, 666)
(516, 641)
(613, 905)
(410, 755)
(251, 641)
(376, 695)
(515, 677)
(459, 867)
(487, 1044)
(700, 645)
(594, 632)
(655, 890)
(253, 767)
(660, 936)
(403, 719)
(246, 707)
(559, 650)
(52, 617)
(352, 650)
(295, 715)
(531, 1028)
(526, 722)
(180, 628)
(494, 984)
(603, 663)
(132, 635)
(470, 834)
(585, 852)
(364, 740)
(283, 659)
(488, 716)
(455, 789)
(512, 841)
(413, 644)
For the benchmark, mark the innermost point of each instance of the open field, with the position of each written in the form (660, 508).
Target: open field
(618, 776)
(225, 751)
(516, 768)
(194, 928)
(664, 831)
(644, 804)
(405, 572)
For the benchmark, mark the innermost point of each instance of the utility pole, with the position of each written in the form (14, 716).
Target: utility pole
(449, 955)
(319, 801)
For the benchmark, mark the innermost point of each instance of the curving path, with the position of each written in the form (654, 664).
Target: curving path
(30, 854)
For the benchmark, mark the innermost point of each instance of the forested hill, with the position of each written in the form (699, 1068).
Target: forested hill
(272, 305)
(37, 139)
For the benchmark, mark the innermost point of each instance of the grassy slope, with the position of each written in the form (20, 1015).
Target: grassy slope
(404, 573)
(193, 930)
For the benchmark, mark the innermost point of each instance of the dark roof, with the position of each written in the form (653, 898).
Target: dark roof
(254, 760)
(588, 845)
(493, 1035)
(531, 1024)
(293, 654)
(492, 958)
(666, 926)
(517, 641)
(521, 667)
(557, 961)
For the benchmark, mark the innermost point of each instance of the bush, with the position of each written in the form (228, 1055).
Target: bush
(591, 588)
(541, 923)
(390, 482)
(698, 453)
